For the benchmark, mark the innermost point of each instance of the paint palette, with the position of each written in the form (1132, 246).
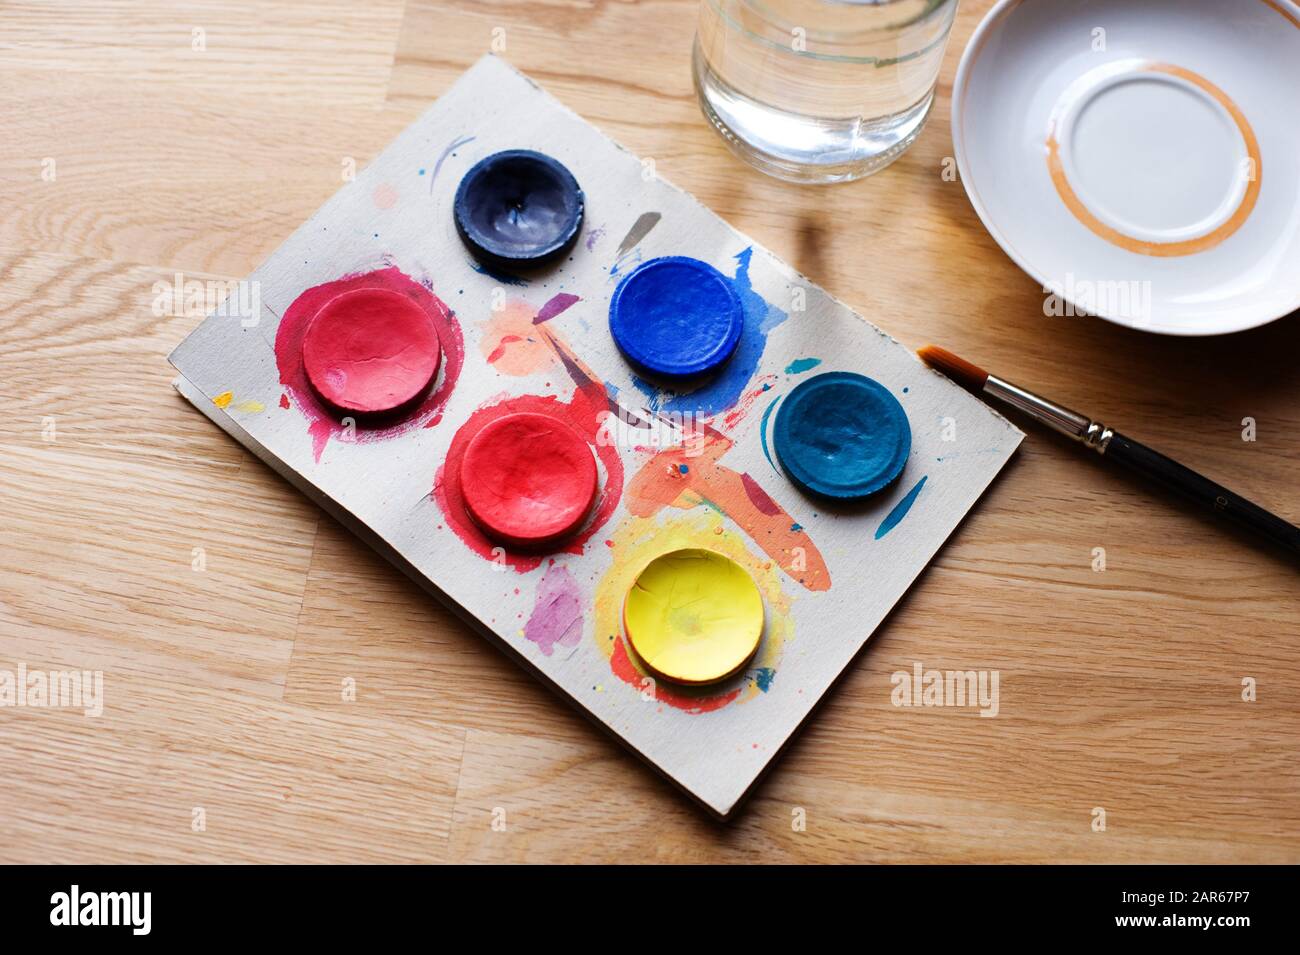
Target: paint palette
(491, 438)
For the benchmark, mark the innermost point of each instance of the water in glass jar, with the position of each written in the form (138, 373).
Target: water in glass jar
(820, 90)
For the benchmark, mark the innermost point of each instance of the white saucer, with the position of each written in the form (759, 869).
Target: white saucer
(1140, 158)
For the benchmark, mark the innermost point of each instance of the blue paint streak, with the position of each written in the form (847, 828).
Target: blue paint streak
(725, 388)
(505, 278)
(900, 509)
(763, 678)
(762, 432)
(632, 258)
(800, 365)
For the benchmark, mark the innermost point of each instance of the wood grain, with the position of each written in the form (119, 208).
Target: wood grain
(317, 706)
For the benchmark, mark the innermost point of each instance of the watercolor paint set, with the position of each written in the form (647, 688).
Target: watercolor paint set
(675, 480)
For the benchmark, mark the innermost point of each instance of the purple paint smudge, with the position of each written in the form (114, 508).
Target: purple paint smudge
(455, 144)
(556, 619)
(556, 305)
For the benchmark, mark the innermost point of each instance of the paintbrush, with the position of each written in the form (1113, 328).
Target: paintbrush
(1113, 446)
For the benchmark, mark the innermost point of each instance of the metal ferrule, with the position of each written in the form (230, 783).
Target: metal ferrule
(1058, 417)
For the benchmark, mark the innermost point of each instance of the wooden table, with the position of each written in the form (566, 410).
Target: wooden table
(230, 618)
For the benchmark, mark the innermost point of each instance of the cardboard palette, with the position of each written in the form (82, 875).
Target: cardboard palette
(677, 470)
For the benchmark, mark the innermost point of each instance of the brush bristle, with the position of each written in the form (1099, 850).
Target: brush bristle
(958, 369)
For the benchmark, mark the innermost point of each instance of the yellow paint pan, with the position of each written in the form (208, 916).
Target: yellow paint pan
(693, 616)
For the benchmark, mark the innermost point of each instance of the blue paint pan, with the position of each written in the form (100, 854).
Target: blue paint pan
(842, 436)
(676, 317)
(518, 208)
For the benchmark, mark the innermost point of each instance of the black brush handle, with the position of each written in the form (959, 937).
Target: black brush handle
(1170, 474)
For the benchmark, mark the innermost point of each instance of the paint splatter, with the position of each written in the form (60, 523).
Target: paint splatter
(627, 262)
(742, 407)
(510, 343)
(515, 344)
(800, 365)
(663, 482)
(594, 236)
(628, 254)
(900, 510)
(726, 387)
(226, 401)
(635, 543)
(499, 352)
(556, 619)
(322, 423)
(557, 304)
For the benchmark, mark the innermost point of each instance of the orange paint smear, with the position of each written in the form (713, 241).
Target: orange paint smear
(683, 477)
(512, 344)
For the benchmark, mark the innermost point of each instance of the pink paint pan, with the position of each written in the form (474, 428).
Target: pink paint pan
(371, 352)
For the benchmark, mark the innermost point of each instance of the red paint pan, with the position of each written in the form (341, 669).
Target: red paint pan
(528, 480)
(371, 352)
